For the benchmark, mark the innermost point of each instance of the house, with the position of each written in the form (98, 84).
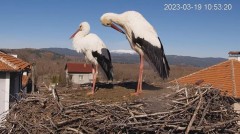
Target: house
(13, 78)
(78, 73)
(224, 76)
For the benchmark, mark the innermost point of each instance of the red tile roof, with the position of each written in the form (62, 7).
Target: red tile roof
(78, 68)
(11, 63)
(225, 76)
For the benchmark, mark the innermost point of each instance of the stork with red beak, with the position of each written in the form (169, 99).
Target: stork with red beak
(143, 39)
(94, 50)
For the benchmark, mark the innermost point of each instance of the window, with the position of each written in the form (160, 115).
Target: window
(80, 77)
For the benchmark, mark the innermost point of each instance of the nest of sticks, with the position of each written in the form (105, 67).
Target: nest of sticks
(193, 110)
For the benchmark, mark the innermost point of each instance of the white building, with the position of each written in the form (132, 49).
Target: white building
(78, 73)
(11, 79)
(234, 55)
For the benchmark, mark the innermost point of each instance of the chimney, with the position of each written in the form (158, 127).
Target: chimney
(14, 55)
(234, 55)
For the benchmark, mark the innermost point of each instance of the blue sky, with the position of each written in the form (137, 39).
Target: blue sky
(50, 23)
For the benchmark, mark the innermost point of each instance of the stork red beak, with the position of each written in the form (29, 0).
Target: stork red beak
(74, 33)
(116, 28)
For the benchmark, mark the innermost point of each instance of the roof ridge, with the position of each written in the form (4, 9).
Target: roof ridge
(13, 62)
(201, 70)
(233, 78)
(2, 59)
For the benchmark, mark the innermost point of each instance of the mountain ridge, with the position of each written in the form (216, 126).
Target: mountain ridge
(132, 58)
(121, 57)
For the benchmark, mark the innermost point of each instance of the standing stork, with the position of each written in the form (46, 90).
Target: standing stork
(94, 50)
(143, 39)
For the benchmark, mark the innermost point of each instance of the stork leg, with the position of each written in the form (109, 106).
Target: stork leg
(141, 73)
(139, 86)
(94, 72)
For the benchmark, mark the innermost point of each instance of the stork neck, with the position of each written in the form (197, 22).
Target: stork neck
(82, 33)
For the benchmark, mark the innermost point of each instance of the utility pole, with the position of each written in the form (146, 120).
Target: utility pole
(33, 77)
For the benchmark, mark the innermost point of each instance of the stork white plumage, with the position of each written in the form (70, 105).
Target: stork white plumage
(94, 50)
(143, 39)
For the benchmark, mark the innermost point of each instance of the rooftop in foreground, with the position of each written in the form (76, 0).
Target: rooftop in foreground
(224, 76)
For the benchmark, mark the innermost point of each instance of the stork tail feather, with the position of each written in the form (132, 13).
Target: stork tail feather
(104, 60)
(155, 54)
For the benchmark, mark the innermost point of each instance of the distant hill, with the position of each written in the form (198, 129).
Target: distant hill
(193, 61)
(63, 51)
(117, 56)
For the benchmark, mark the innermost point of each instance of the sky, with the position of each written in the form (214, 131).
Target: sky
(50, 23)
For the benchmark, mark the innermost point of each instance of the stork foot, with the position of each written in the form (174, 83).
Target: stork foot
(90, 93)
(135, 93)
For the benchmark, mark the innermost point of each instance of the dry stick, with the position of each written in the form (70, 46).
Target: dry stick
(42, 101)
(178, 91)
(222, 123)
(136, 105)
(52, 123)
(230, 131)
(184, 98)
(186, 94)
(194, 115)
(47, 128)
(201, 94)
(178, 102)
(23, 127)
(154, 114)
(11, 129)
(56, 97)
(132, 115)
(120, 107)
(78, 105)
(87, 129)
(155, 121)
(204, 113)
(101, 119)
(63, 123)
(74, 130)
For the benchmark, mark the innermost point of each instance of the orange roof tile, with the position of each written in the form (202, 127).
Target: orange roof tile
(225, 76)
(11, 63)
(78, 68)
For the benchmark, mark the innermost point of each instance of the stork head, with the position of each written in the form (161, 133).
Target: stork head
(107, 20)
(84, 26)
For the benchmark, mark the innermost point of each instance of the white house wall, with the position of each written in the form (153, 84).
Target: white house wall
(4, 91)
(86, 78)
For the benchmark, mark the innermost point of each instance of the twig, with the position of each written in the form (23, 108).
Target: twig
(132, 115)
(186, 92)
(23, 127)
(52, 123)
(204, 113)
(74, 130)
(78, 105)
(47, 128)
(194, 115)
(63, 123)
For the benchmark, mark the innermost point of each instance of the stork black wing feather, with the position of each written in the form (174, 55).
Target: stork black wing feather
(155, 54)
(104, 60)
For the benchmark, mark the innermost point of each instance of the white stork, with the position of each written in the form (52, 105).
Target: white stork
(94, 50)
(143, 39)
